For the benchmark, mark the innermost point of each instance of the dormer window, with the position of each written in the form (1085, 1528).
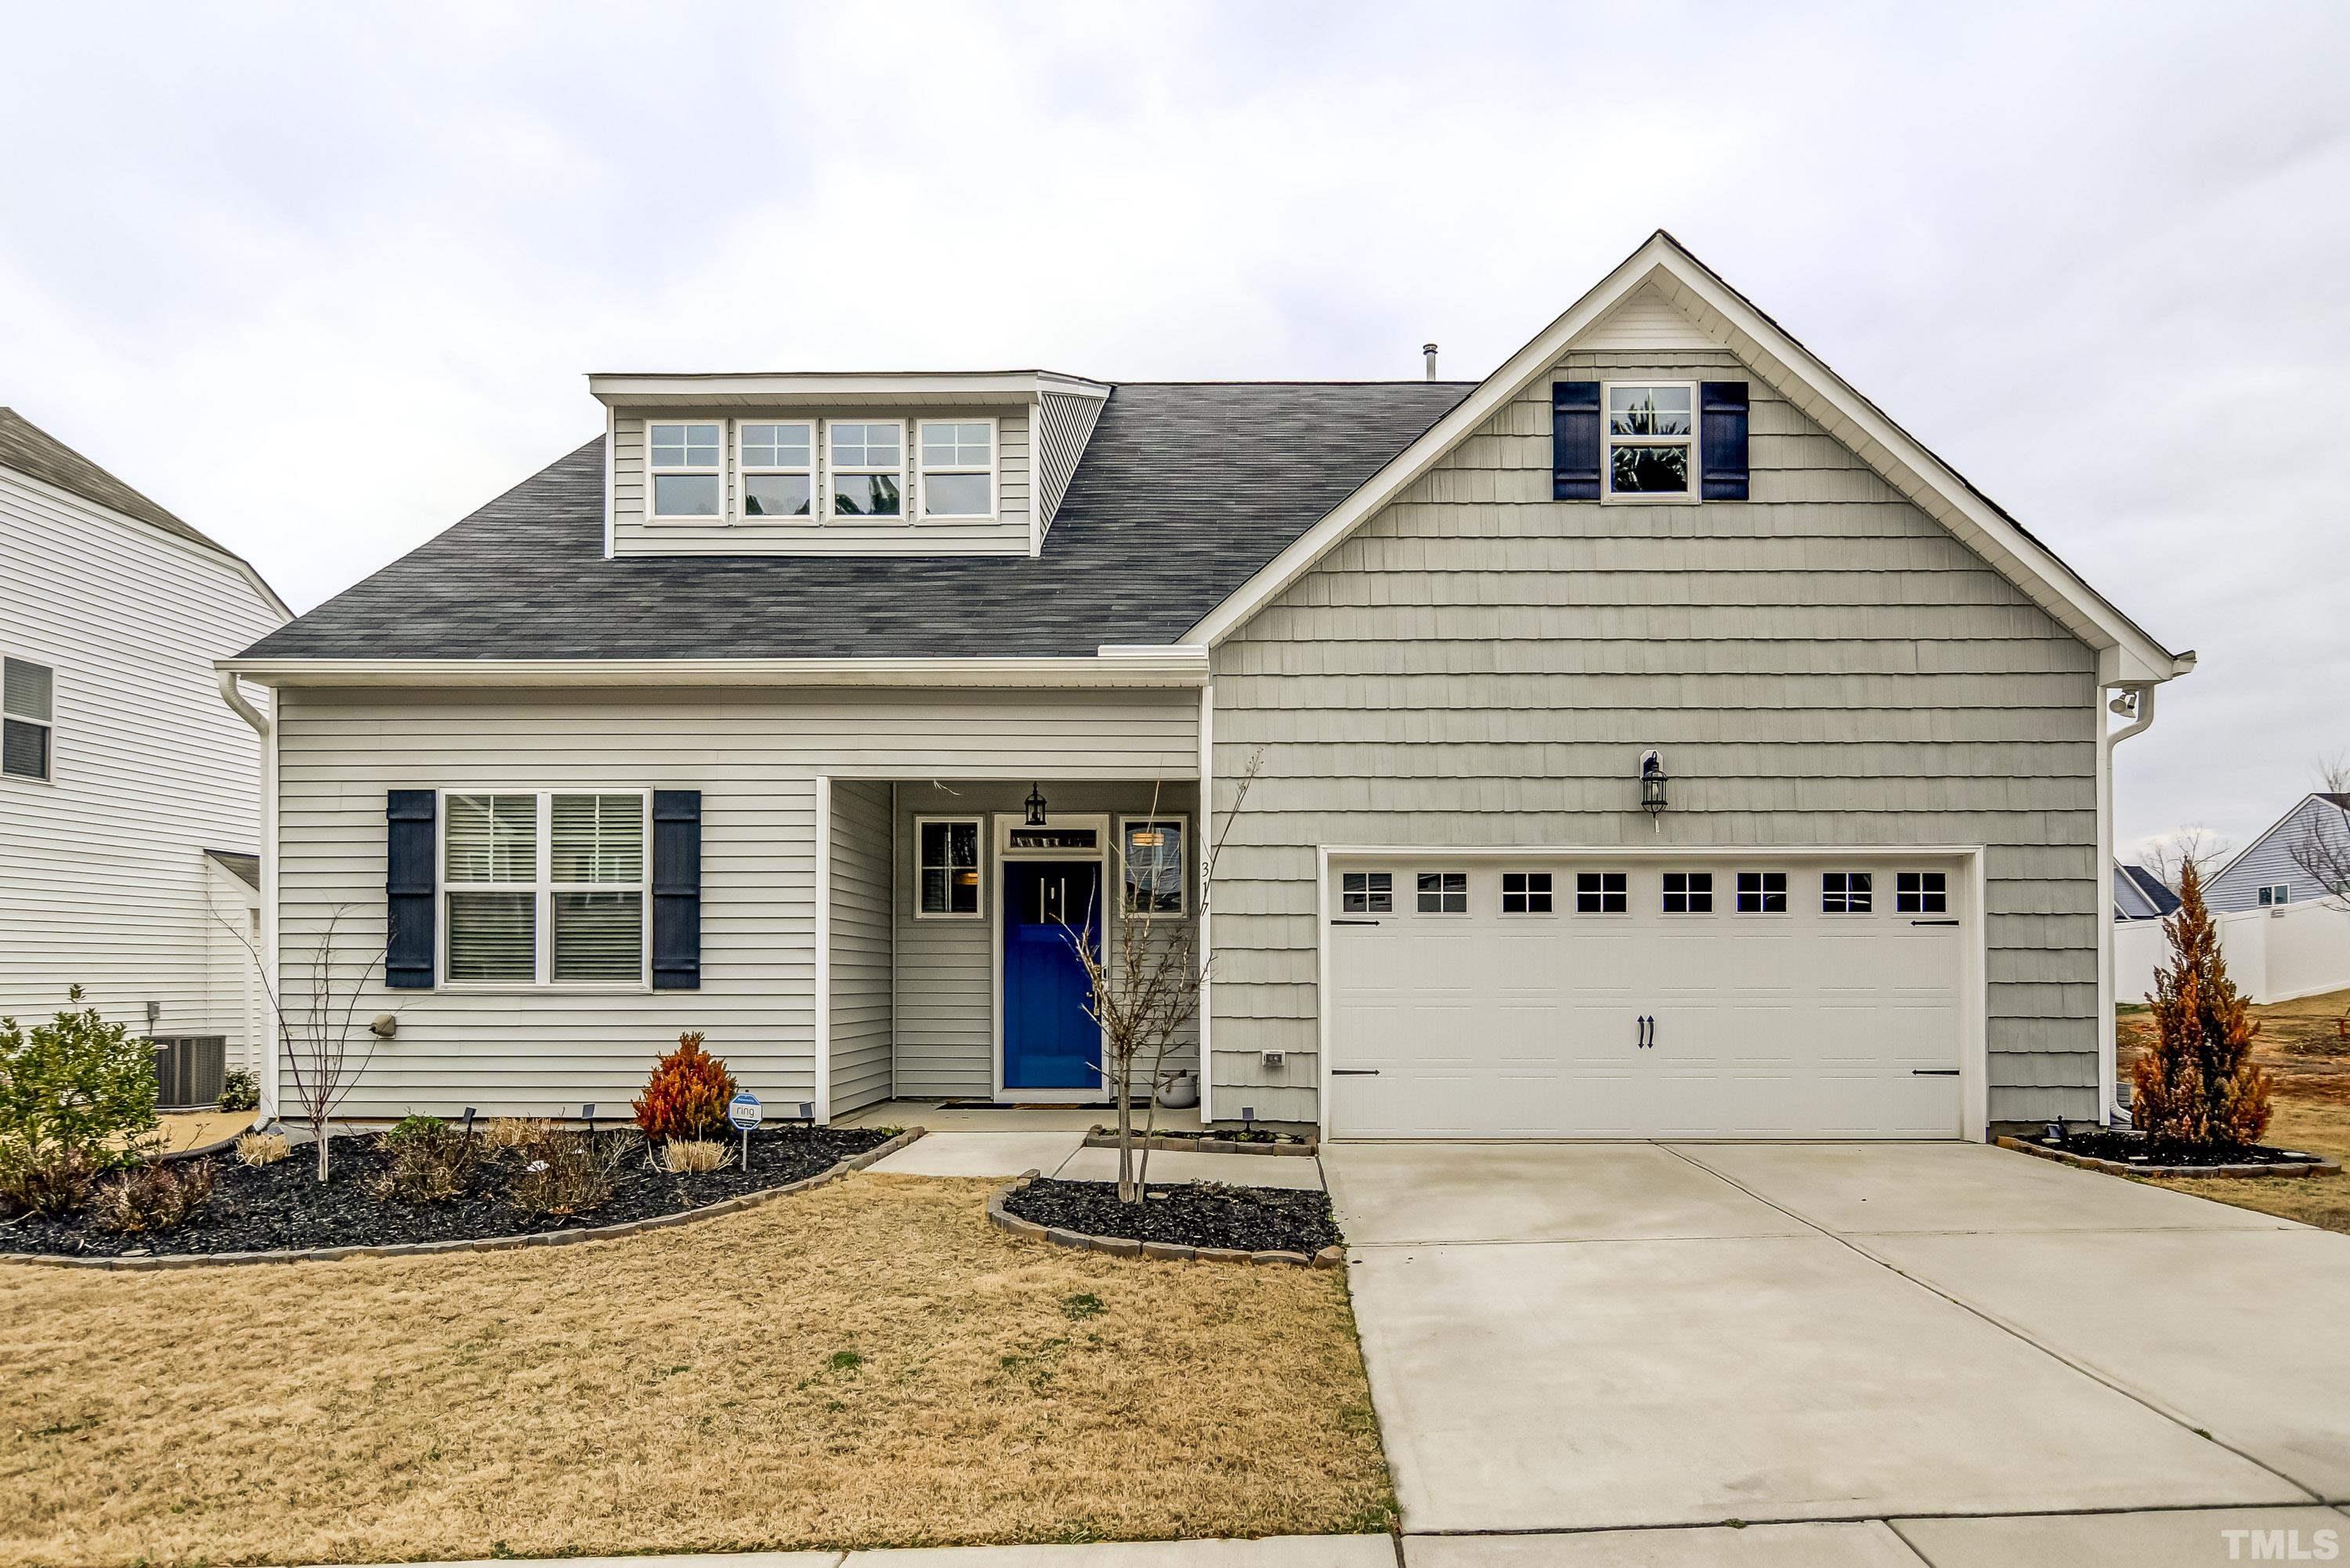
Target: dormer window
(1650, 428)
(869, 468)
(778, 470)
(688, 480)
(958, 468)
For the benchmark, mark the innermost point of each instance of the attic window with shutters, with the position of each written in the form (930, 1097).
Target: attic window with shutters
(1651, 430)
(688, 478)
(26, 725)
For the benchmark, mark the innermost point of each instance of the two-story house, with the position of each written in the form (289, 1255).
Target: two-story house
(1652, 738)
(130, 798)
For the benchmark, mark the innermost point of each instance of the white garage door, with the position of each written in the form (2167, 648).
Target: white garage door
(1711, 998)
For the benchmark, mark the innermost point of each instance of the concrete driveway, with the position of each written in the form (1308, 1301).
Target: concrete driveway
(1853, 1338)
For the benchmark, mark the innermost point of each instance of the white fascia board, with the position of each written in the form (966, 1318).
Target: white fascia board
(1163, 666)
(1798, 375)
(832, 387)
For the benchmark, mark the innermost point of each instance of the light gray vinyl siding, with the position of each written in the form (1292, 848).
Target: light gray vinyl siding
(860, 1020)
(104, 882)
(1063, 425)
(946, 985)
(633, 534)
(2274, 858)
(1820, 664)
(754, 757)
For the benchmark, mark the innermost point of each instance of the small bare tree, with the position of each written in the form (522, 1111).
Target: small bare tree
(1144, 989)
(2324, 852)
(2196, 846)
(314, 1036)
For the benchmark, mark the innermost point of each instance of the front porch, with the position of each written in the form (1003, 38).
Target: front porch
(948, 981)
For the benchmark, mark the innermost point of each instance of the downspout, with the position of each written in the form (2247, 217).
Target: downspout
(2135, 701)
(233, 695)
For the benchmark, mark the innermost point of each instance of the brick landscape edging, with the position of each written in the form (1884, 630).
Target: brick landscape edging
(1127, 1246)
(1166, 1143)
(485, 1243)
(2312, 1166)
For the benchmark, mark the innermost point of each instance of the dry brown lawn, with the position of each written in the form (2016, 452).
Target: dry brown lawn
(2306, 1050)
(867, 1364)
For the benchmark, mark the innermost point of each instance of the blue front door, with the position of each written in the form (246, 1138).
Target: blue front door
(1050, 1041)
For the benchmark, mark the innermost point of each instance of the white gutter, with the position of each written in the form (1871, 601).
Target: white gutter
(1170, 666)
(2136, 699)
(267, 730)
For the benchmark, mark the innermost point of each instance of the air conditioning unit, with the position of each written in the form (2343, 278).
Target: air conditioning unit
(188, 1070)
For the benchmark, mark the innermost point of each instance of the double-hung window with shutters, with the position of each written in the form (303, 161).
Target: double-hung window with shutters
(27, 720)
(1651, 430)
(544, 887)
(1644, 439)
(687, 460)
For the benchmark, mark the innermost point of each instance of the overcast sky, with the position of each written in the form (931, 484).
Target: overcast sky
(323, 278)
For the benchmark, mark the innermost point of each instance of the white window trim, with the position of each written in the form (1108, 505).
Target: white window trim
(1502, 892)
(1712, 894)
(49, 753)
(744, 469)
(1786, 892)
(993, 468)
(543, 888)
(1575, 893)
(1468, 895)
(978, 825)
(653, 473)
(1609, 441)
(1367, 895)
(833, 470)
(2267, 893)
(1849, 913)
(1182, 910)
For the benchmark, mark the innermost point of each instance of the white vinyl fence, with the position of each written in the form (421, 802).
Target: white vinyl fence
(2273, 955)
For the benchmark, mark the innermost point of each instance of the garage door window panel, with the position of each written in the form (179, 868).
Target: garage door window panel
(1846, 892)
(1921, 893)
(1367, 893)
(1762, 892)
(1689, 893)
(1526, 893)
(1443, 892)
(1602, 893)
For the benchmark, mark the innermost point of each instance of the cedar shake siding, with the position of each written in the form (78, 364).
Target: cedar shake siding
(1820, 664)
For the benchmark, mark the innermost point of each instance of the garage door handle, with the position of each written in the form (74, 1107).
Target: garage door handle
(1375, 922)
(1353, 1072)
(1933, 922)
(1933, 1071)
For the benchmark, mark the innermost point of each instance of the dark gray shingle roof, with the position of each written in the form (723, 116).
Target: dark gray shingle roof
(1184, 492)
(29, 449)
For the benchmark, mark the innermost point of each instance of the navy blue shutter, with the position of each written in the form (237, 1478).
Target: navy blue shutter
(1721, 438)
(410, 862)
(1574, 441)
(677, 890)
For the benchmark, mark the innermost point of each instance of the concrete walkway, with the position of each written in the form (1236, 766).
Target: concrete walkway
(1061, 1153)
(1637, 1342)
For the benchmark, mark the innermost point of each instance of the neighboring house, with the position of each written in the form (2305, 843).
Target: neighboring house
(2269, 871)
(2140, 893)
(130, 798)
(799, 709)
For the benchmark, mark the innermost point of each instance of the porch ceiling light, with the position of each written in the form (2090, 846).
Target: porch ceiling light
(1652, 783)
(1036, 804)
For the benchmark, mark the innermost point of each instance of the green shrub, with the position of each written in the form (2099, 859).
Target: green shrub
(76, 1092)
(239, 1092)
(153, 1196)
(413, 1126)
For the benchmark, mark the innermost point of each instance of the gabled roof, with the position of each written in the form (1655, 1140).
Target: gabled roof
(1185, 490)
(2140, 895)
(2339, 802)
(1797, 375)
(32, 451)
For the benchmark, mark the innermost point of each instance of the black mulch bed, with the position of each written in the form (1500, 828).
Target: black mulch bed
(1220, 1135)
(2137, 1149)
(283, 1207)
(1190, 1214)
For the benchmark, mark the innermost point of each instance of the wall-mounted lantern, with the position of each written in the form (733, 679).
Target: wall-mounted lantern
(1036, 804)
(1652, 785)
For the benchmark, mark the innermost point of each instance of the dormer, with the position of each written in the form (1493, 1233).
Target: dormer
(915, 463)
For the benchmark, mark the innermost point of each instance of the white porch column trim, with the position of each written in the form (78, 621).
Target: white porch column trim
(823, 1031)
(1204, 836)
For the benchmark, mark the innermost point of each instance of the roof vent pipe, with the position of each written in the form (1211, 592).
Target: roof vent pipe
(1430, 349)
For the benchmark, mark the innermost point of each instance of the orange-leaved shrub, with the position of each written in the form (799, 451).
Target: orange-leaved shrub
(686, 1096)
(2197, 1083)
